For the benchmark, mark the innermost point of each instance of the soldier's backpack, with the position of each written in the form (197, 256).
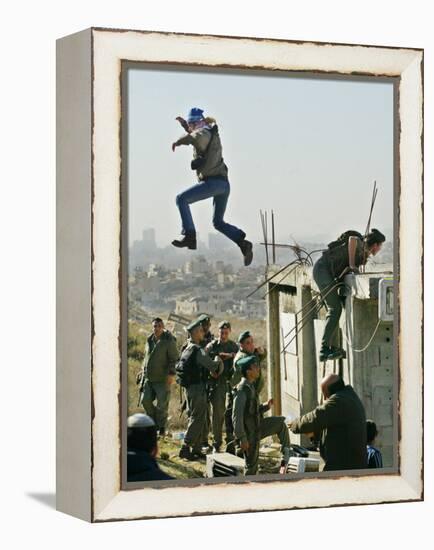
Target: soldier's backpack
(187, 370)
(337, 252)
(344, 238)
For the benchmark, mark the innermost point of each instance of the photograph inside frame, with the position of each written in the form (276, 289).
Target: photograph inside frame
(260, 258)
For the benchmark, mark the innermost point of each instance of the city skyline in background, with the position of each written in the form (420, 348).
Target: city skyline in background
(310, 149)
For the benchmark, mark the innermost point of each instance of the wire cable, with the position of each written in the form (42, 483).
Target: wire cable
(350, 344)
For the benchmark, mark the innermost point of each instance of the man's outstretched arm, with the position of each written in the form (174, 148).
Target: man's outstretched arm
(324, 416)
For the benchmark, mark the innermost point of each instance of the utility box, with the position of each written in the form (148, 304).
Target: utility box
(385, 299)
(299, 465)
(224, 465)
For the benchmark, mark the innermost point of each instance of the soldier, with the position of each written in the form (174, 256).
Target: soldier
(226, 349)
(247, 348)
(192, 370)
(205, 321)
(249, 425)
(158, 373)
(212, 172)
(347, 253)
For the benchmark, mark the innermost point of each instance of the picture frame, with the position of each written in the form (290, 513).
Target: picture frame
(91, 277)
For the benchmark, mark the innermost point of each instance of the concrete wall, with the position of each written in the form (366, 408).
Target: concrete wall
(371, 372)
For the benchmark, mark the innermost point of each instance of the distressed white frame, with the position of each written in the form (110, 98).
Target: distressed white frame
(106, 499)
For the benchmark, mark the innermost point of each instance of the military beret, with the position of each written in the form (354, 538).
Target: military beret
(247, 361)
(225, 324)
(245, 334)
(140, 420)
(203, 318)
(194, 324)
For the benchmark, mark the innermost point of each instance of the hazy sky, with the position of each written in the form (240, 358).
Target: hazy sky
(308, 148)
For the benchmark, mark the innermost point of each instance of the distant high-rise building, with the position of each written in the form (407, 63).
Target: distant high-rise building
(217, 241)
(148, 238)
(219, 266)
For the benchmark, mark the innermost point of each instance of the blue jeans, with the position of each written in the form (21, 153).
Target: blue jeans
(219, 189)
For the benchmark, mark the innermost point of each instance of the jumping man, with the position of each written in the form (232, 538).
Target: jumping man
(213, 182)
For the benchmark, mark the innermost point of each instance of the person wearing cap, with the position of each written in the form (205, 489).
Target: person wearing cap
(247, 348)
(158, 373)
(249, 424)
(205, 321)
(212, 173)
(226, 349)
(193, 369)
(350, 251)
(142, 449)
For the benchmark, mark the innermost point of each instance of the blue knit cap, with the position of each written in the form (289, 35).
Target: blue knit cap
(194, 115)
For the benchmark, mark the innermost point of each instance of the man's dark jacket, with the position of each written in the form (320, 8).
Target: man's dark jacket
(141, 466)
(342, 421)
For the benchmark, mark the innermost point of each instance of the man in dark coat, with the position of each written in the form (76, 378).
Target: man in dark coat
(341, 423)
(142, 449)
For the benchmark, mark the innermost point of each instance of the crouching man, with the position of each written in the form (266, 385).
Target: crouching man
(249, 425)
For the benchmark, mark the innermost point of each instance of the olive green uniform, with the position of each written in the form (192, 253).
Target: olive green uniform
(233, 382)
(217, 388)
(250, 426)
(158, 363)
(196, 396)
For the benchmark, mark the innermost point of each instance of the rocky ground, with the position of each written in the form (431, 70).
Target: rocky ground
(169, 461)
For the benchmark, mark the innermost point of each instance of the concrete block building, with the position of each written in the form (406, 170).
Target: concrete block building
(295, 325)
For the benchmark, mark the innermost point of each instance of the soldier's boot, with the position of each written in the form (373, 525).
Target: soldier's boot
(184, 452)
(197, 454)
(246, 248)
(188, 241)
